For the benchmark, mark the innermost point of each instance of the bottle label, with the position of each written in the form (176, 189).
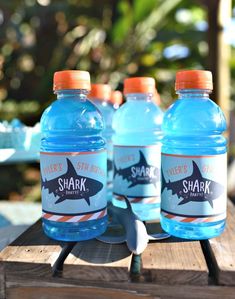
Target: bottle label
(194, 188)
(137, 173)
(73, 185)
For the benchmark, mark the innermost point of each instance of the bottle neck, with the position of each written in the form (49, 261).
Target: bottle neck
(193, 93)
(139, 97)
(71, 93)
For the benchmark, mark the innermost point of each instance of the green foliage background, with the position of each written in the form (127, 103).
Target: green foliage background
(110, 39)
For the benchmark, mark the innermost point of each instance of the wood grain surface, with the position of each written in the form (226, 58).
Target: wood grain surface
(222, 250)
(172, 268)
(94, 260)
(174, 261)
(2, 281)
(47, 289)
(31, 253)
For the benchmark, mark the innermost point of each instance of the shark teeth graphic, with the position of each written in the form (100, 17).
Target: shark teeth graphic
(194, 188)
(71, 186)
(140, 173)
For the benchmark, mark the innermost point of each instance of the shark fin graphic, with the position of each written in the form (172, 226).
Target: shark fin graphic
(70, 169)
(184, 201)
(115, 170)
(210, 202)
(60, 200)
(43, 182)
(163, 182)
(196, 171)
(155, 184)
(87, 199)
(133, 184)
(142, 159)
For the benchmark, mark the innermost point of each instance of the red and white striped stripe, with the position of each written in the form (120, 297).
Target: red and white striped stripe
(193, 219)
(144, 200)
(80, 218)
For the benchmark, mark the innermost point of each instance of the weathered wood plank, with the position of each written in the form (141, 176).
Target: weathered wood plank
(168, 263)
(174, 261)
(94, 260)
(72, 293)
(2, 282)
(31, 253)
(34, 253)
(222, 250)
(106, 289)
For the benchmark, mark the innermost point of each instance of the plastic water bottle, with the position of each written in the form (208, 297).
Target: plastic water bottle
(101, 96)
(73, 162)
(193, 201)
(137, 149)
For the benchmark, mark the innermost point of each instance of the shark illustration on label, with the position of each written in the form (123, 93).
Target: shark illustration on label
(140, 173)
(73, 183)
(137, 171)
(194, 188)
(71, 186)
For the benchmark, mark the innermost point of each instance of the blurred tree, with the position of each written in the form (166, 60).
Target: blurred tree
(114, 40)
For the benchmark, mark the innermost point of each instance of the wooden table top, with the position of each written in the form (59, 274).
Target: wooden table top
(172, 268)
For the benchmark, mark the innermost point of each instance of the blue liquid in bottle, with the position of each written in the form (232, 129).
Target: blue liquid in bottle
(73, 162)
(193, 201)
(100, 95)
(137, 149)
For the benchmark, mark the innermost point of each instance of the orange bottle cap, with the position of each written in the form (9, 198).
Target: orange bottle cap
(139, 85)
(71, 80)
(100, 92)
(156, 97)
(116, 97)
(194, 79)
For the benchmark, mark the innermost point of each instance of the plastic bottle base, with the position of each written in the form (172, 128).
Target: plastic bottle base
(144, 211)
(71, 232)
(196, 231)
